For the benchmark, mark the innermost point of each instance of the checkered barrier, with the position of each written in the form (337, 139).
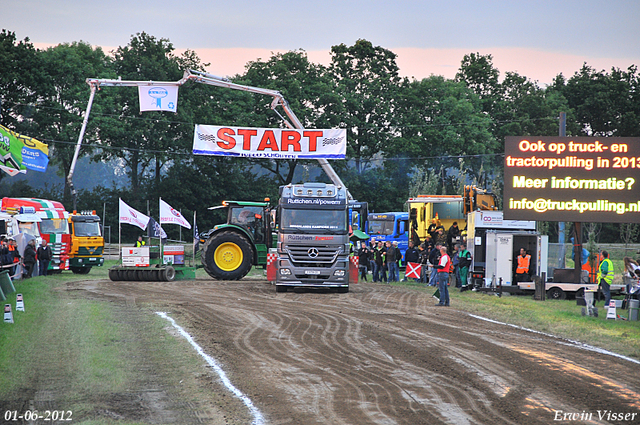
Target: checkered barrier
(354, 262)
(272, 268)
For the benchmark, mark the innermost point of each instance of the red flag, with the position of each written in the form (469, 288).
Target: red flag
(413, 270)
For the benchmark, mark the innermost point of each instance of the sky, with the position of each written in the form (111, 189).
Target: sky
(537, 39)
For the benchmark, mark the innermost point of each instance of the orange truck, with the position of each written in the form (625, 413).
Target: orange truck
(87, 242)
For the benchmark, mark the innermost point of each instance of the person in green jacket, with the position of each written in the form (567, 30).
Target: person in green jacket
(464, 261)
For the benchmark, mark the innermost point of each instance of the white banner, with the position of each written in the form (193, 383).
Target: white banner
(158, 98)
(169, 215)
(273, 143)
(131, 216)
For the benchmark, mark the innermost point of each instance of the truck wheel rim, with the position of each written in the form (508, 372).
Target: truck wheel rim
(228, 256)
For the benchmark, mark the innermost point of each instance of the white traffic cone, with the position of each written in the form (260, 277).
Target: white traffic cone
(19, 303)
(8, 316)
(611, 311)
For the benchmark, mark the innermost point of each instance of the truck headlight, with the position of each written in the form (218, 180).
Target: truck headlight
(339, 273)
(285, 272)
(80, 260)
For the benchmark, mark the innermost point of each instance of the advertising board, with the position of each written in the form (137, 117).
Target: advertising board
(579, 179)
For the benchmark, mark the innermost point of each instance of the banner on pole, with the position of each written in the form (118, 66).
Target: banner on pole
(19, 153)
(154, 230)
(170, 215)
(131, 216)
(274, 143)
(158, 98)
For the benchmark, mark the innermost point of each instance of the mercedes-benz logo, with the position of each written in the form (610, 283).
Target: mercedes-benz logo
(313, 252)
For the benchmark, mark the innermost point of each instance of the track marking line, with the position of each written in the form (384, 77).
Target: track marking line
(563, 340)
(258, 418)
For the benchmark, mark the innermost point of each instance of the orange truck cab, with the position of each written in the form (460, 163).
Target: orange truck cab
(87, 242)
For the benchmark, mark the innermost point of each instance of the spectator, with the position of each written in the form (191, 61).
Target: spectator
(434, 258)
(380, 273)
(393, 255)
(44, 257)
(444, 268)
(29, 260)
(454, 263)
(363, 261)
(464, 258)
(452, 236)
(14, 255)
(605, 277)
(411, 255)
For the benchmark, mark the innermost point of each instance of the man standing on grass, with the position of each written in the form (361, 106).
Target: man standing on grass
(605, 277)
(29, 260)
(44, 257)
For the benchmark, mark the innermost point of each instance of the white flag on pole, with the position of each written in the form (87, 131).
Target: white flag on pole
(169, 215)
(158, 98)
(131, 216)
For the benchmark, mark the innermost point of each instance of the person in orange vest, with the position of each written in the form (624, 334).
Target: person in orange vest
(14, 254)
(522, 269)
(444, 267)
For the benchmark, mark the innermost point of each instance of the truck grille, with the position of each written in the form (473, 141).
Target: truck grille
(312, 255)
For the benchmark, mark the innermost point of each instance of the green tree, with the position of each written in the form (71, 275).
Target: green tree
(144, 144)
(440, 120)
(478, 73)
(605, 104)
(367, 82)
(306, 86)
(60, 112)
(22, 81)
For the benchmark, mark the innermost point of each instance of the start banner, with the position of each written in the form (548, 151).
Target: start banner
(269, 142)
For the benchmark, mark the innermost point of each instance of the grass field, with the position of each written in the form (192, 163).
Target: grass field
(83, 351)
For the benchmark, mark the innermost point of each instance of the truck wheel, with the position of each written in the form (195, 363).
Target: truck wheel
(80, 270)
(227, 256)
(168, 274)
(556, 294)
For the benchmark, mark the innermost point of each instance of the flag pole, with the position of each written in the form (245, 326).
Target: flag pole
(119, 232)
(197, 238)
(160, 235)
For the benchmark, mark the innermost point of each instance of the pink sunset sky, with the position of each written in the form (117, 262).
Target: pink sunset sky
(537, 39)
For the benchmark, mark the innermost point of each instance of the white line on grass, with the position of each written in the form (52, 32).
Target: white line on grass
(570, 341)
(258, 419)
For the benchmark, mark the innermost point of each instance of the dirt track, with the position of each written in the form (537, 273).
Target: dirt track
(381, 355)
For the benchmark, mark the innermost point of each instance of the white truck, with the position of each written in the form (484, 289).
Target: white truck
(495, 243)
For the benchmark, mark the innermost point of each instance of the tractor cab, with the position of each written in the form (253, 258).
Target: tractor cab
(250, 218)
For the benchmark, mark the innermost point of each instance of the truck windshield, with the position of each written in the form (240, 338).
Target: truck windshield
(29, 228)
(54, 225)
(381, 227)
(314, 221)
(86, 229)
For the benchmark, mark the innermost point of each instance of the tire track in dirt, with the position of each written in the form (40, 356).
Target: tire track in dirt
(383, 355)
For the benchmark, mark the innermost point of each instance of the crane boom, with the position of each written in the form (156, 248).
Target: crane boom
(204, 78)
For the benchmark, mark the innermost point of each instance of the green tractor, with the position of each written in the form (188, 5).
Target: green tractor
(231, 249)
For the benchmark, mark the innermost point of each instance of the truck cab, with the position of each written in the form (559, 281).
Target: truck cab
(390, 227)
(87, 242)
(313, 237)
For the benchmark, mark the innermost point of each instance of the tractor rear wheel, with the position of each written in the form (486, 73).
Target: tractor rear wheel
(227, 255)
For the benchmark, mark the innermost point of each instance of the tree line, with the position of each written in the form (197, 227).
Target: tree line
(404, 135)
